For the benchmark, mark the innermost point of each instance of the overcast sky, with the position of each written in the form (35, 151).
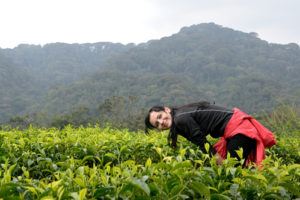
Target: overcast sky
(137, 21)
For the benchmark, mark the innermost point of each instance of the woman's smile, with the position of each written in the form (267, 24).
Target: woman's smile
(161, 120)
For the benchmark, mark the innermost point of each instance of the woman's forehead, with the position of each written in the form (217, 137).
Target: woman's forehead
(153, 116)
(154, 113)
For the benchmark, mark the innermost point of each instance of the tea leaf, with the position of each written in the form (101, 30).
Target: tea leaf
(219, 196)
(200, 188)
(141, 185)
(82, 193)
(148, 163)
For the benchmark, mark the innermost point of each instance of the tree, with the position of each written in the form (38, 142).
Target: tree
(18, 121)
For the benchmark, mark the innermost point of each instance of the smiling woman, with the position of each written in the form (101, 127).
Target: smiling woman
(162, 119)
(197, 120)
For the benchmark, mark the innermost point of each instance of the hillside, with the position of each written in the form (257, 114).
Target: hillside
(150, 89)
(61, 63)
(15, 82)
(200, 62)
(28, 71)
(202, 50)
(229, 67)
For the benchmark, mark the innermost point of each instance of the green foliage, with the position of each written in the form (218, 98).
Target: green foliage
(28, 71)
(105, 163)
(14, 82)
(78, 117)
(200, 62)
(284, 120)
(285, 123)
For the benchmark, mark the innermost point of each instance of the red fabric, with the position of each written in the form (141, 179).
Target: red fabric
(248, 126)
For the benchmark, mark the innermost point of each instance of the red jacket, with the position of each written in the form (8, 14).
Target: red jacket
(248, 126)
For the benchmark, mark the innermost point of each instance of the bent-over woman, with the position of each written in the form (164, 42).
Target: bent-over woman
(196, 120)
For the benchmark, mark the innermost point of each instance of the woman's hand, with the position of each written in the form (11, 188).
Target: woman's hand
(219, 159)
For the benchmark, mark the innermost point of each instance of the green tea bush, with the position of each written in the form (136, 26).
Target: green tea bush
(104, 163)
(284, 122)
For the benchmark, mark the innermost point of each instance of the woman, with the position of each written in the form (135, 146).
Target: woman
(195, 121)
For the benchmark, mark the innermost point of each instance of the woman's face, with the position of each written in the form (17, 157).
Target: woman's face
(161, 120)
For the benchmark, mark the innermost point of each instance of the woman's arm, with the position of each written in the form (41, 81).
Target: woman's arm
(194, 134)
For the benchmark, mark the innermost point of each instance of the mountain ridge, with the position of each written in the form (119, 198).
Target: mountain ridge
(200, 62)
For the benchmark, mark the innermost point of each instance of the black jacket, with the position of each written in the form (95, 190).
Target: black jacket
(195, 123)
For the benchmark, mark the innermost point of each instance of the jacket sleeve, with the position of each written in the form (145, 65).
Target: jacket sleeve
(194, 134)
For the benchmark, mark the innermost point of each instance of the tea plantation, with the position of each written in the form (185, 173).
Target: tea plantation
(105, 163)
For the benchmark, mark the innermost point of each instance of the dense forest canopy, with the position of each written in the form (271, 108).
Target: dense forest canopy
(200, 62)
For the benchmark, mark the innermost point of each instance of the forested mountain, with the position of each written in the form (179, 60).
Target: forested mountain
(28, 71)
(227, 66)
(61, 63)
(14, 83)
(150, 89)
(208, 51)
(200, 62)
(214, 57)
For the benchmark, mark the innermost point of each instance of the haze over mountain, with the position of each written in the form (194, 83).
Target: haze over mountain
(200, 62)
(60, 63)
(28, 71)
(17, 87)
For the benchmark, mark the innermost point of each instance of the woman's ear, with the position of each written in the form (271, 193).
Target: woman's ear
(167, 109)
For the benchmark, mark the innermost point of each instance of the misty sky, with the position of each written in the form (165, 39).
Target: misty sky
(137, 21)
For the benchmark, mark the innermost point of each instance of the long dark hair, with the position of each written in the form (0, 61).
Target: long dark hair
(172, 137)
